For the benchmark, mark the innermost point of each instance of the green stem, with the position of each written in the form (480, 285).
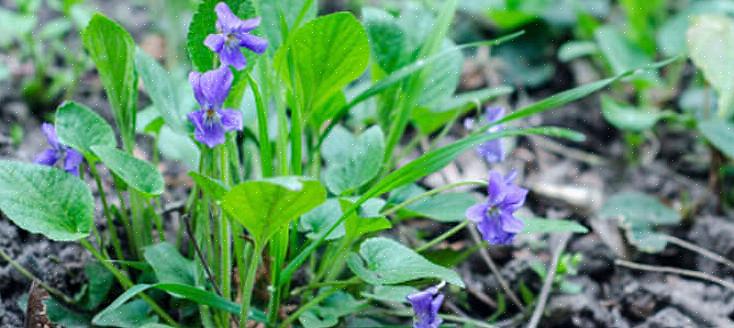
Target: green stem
(430, 193)
(443, 236)
(107, 214)
(249, 284)
(315, 301)
(126, 282)
(266, 153)
(23, 271)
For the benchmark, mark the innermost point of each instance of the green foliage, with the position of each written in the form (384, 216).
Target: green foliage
(129, 315)
(622, 54)
(383, 261)
(317, 221)
(266, 206)
(628, 118)
(289, 10)
(46, 200)
(96, 290)
(137, 173)
(112, 50)
(352, 161)
(169, 265)
(328, 312)
(639, 214)
(212, 187)
(540, 225)
(163, 91)
(79, 127)
(710, 40)
(322, 57)
(14, 27)
(720, 134)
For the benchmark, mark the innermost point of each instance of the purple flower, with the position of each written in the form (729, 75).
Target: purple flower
(57, 151)
(495, 219)
(233, 33)
(492, 151)
(426, 304)
(212, 122)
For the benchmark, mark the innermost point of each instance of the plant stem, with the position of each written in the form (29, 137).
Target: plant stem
(313, 302)
(126, 282)
(23, 271)
(266, 155)
(432, 192)
(249, 283)
(108, 215)
(443, 236)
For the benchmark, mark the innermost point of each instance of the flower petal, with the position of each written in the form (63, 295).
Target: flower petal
(477, 212)
(231, 119)
(492, 151)
(248, 25)
(254, 43)
(232, 55)
(48, 157)
(195, 81)
(50, 131)
(211, 88)
(197, 119)
(494, 113)
(211, 135)
(227, 21)
(215, 42)
(510, 223)
(72, 161)
(495, 186)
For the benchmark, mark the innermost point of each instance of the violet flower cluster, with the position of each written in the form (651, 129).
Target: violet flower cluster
(212, 122)
(426, 304)
(56, 152)
(495, 218)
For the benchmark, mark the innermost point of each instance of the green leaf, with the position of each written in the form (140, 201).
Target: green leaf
(266, 206)
(318, 220)
(96, 290)
(129, 315)
(619, 51)
(65, 317)
(137, 173)
(328, 312)
(79, 127)
(14, 26)
(46, 200)
(540, 225)
(445, 207)
(383, 261)
(169, 265)
(391, 294)
(191, 293)
(112, 50)
(720, 134)
(212, 187)
(710, 41)
(352, 160)
(270, 12)
(163, 91)
(203, 23)
(576, 49)
(628, 118)
(177, 147)
(357, 225)
(443, 76)
(326, 54)
(633, 206)
(387, 38)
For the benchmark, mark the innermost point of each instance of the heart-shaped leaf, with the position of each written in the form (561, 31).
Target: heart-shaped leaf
(710, 43)
(80, 127)
(137, 173)
(46, 200)
(169, 265)
(383, 261)
(352, 161)
(328, 312)
(318, 220)
(446, 207)
(211, 187)
(326, 54)
(266, 206)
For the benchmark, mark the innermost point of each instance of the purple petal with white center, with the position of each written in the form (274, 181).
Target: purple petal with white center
(72, 161)
(254, 43)
(48, 157)
(426, 305)
(215, 42)
(477, 212)
(231, 119)
(208, 131)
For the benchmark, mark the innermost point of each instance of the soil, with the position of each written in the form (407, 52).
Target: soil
(567, 180)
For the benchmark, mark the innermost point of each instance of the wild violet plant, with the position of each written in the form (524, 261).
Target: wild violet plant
(295, 189)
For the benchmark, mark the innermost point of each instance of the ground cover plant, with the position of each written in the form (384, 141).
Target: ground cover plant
(296, 163)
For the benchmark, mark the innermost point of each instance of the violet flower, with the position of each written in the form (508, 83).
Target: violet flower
(495, 218)
(57, 151)
(492, 151)
(212, 122)
(426, 304)
(233, 33)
